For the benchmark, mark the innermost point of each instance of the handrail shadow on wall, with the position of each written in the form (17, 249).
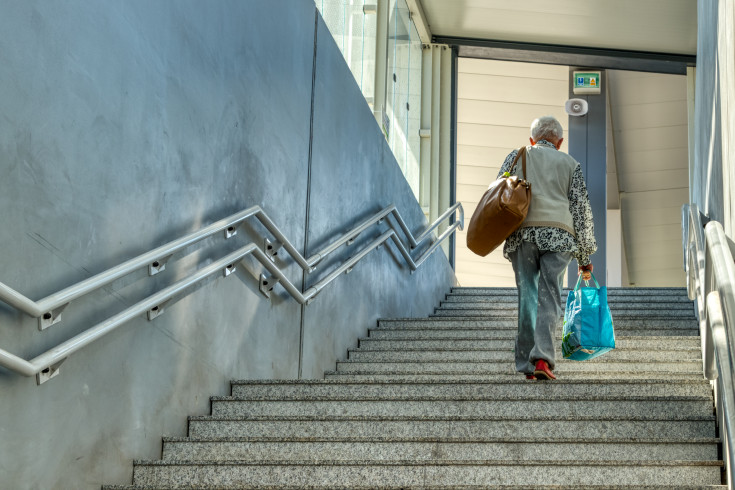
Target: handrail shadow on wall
(48, 310)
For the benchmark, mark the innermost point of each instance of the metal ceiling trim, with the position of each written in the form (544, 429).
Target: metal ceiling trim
(613, 59)
(420, 21)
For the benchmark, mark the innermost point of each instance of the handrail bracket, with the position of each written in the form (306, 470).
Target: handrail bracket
(267, 283)
(157, 310)
(271, 249)
(229, 269)
(50, 372)
(51, 317)
(158, 266)
(230, 231)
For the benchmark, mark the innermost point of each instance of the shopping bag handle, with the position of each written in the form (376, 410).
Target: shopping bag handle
(580, 280)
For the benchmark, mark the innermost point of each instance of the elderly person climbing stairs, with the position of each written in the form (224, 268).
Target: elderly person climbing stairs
(559, 227)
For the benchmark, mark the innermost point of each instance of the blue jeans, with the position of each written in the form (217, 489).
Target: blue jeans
(539, 275)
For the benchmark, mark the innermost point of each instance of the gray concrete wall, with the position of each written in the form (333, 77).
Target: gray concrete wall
(124, 125)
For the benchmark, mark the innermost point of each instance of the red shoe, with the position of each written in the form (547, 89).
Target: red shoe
(542, 370)
(530, 376)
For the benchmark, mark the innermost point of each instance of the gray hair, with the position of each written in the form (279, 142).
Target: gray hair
(546, 128)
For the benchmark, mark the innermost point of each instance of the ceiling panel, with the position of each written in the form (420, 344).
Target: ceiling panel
(505, 113)
(648, 88)
(470, 193)
(661, 159)
(644, 218)
(662, 114)
(473, 175)
(652, 181)
(465, 255)
(663, 26)
(470, 155)
(656, 199)
(483, 134)
(509, 89)
(644, 139)
(520, 70)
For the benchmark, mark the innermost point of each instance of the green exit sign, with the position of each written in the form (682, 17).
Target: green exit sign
(586, 82)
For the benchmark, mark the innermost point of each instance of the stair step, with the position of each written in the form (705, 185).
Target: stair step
(436, 403)
(532, 409)
(681, 292)
(511, 322)
(414, 333)
(617, 314)
(616, 308)
(489, 390)
(363, 427)
(612, 299)
(236, 474)
(430, 487)
(488, 334)
(505, 367)
(507, 354)
(436, 450)
(682, 343)
(450, 376)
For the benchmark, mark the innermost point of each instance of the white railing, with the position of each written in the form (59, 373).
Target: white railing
(49, 309)
(708, 261)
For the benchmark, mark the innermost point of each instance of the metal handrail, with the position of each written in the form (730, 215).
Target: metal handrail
(710, 268)
(48, 310)
(46, 365)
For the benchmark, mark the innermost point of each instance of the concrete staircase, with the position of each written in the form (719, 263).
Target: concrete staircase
(435, 402)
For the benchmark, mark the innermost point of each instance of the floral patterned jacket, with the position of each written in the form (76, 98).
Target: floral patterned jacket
(556, 239)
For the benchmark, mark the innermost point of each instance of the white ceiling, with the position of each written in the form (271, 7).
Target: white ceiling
(662, 26)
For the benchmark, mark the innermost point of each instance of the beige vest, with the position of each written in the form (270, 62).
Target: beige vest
(550, 172)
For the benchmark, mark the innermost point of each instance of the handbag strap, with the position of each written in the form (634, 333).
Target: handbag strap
(580, 280)
(521, 153)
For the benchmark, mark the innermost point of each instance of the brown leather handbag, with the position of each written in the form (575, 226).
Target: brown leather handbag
(501, 210)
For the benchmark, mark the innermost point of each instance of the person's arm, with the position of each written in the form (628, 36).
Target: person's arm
(584, 226)
(507, 163)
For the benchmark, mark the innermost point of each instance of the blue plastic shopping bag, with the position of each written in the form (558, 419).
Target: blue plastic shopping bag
(588, 326)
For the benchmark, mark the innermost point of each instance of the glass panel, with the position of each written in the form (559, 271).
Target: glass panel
(333, 13)
(390, 86)
(400, 43)
(369, 30)
(414, 113)
(353, 38)
(402, 61)
(355, 34)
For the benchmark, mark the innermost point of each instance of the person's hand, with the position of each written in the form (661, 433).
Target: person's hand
(586, 271)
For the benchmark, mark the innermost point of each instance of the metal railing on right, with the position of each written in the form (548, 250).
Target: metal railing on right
(708, 262)
(48, 310)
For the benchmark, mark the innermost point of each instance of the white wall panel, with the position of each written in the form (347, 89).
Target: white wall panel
(497, 101)
(650, 127)
(509, 89)
(649, 160)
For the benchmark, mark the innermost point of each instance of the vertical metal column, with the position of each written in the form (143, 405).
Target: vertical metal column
(445, 152)
(381, 61)
(435, 126)
(453, 155)
(587, 144)
(425, 131)
(691, 118)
